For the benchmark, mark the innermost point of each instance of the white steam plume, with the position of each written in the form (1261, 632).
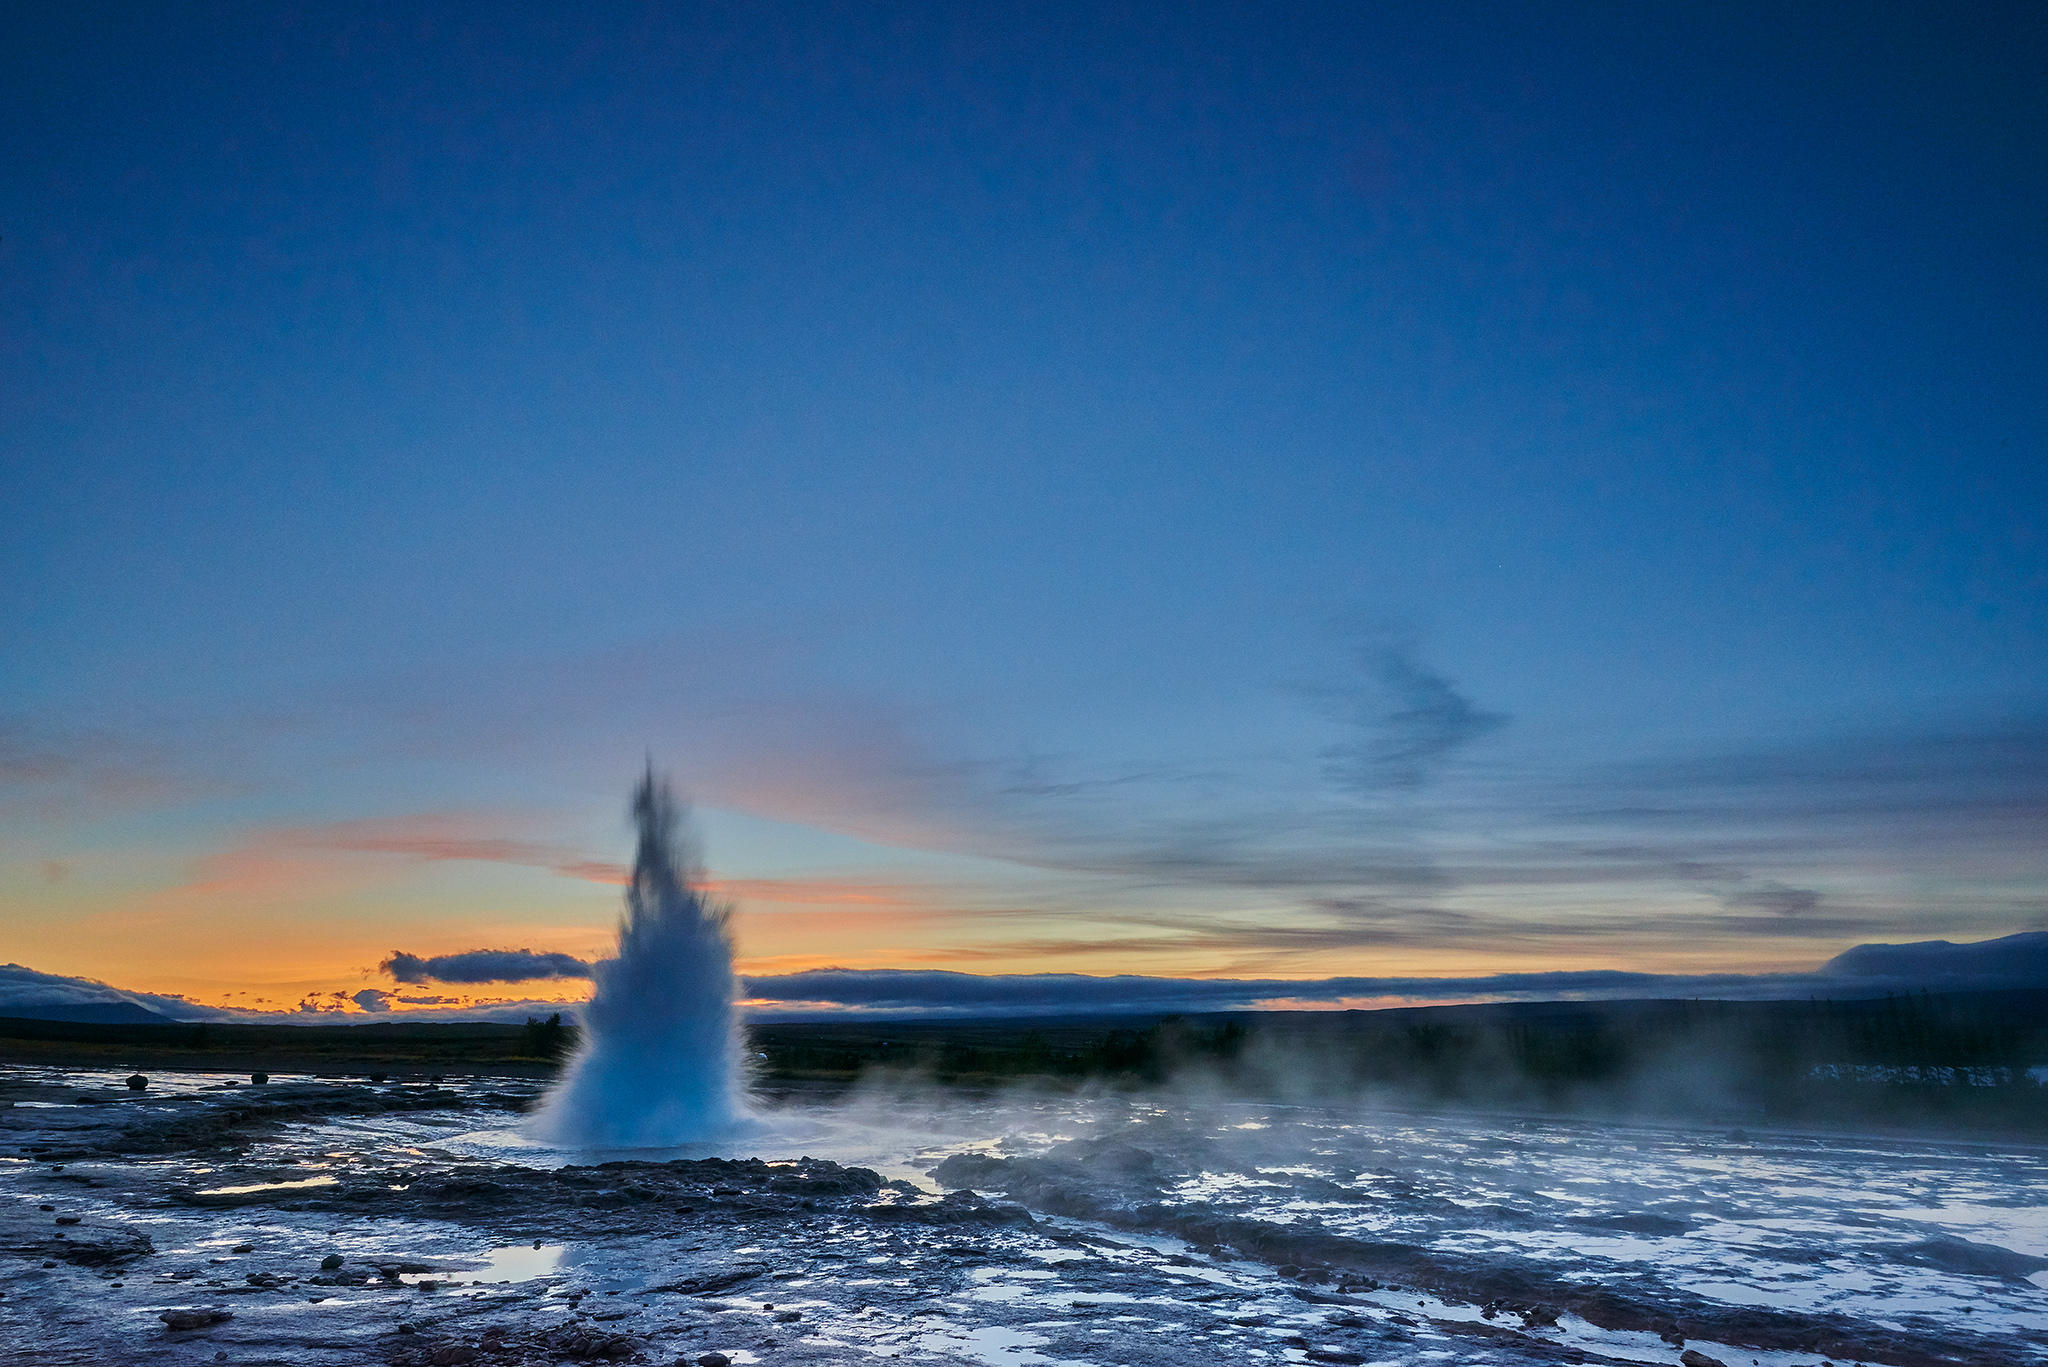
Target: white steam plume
(659, 1061)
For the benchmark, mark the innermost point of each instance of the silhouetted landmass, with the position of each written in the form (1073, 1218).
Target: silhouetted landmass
(350, 1050)
(1955, 1060)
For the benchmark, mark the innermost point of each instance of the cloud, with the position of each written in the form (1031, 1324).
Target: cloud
(455, 837)
(484, 966)
(1413, 720)
(26, 992)
(46, 770)
(1773, 896)
(2014, 961)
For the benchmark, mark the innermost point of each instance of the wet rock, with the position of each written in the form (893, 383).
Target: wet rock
(243, 1248)
(81, 1245)
(954, 1208)
(264, 1280)
(713, 1360)
(577, 1342)
(331, 1262)
(137, 1082)
(392, 1270)
(711, 1283)
(788, 1316)
(452, 1355)
(259, 1078)
(201, 1318)
(1693, 1357)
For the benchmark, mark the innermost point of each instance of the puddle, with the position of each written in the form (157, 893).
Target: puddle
(513, 1263)
(993, 1344)
(296, 1184)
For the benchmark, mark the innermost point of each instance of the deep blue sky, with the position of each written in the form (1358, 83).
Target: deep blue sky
(1516, 486)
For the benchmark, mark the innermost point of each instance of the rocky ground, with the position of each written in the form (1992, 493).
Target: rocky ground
(334, 1222)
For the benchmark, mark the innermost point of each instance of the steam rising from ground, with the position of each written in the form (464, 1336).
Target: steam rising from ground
(659, 1062)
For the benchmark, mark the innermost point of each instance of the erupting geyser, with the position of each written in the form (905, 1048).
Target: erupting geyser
(659, 1062)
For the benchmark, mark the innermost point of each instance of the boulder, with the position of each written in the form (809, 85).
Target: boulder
(201, 1318)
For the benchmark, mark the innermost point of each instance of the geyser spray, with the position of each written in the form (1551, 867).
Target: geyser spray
(659, 1061)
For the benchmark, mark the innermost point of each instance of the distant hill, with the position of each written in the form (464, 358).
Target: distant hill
(2010, 961)
(94, 1013)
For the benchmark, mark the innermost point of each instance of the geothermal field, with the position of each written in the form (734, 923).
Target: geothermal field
(650, 1205)
(313, 1221)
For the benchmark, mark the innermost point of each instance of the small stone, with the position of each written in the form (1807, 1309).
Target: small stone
(1693, 1357)
(453, 1355)
(789, 1317)
(408, 1328)
(137, 1082)
(67, 1219)
(331, 1261)
(259, 1078)
(47, 1207)
(376, 1077)
(196, 1319)
(428, 1286)
(243, 1248)
(713, 1360)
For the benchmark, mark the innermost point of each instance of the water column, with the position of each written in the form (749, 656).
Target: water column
(659, 1059)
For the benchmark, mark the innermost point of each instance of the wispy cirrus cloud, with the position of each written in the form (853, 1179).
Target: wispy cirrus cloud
(47, 770)
(1407, 721)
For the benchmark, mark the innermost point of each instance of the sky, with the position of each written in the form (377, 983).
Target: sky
(1269, 492)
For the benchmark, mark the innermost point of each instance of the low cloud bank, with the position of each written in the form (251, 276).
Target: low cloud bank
(46, 996)
(484, 966)
(2014, 961)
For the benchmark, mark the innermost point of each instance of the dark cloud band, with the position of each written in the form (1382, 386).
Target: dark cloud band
(484, 966)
